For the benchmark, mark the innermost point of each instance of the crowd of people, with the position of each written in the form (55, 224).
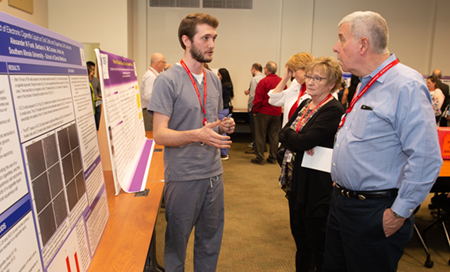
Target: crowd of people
(381, 129)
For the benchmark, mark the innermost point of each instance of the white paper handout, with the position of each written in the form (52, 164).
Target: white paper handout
(321, 160)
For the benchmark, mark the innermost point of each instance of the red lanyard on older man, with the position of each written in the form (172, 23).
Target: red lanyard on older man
(356, 98)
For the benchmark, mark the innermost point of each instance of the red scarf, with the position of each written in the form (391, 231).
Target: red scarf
(300, 94)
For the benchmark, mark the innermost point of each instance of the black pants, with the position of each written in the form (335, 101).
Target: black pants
(97, 115)
(266, 125)
(251, 121)
(355, 237)
(309, 235)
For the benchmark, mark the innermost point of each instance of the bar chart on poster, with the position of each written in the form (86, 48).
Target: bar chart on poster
(53, 205)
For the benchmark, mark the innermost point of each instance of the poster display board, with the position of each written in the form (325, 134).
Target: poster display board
(53, 205)
(131, 152)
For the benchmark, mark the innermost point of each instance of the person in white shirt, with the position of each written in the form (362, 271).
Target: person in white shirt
(157, 64)
(437, 97)
(257, 76)
(296, 93)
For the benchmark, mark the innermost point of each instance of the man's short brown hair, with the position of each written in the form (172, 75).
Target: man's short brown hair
(188, 25)
(257, 67)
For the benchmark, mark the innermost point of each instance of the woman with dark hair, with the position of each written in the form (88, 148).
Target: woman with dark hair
(227, 95)
(437, 97)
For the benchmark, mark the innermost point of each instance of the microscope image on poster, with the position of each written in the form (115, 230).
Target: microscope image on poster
(56, 174)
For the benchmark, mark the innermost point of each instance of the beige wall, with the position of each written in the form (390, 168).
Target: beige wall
(39, 16)
(272, 30)
(92, 21)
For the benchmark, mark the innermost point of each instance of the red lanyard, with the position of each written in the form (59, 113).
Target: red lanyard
(301, 92)
(356, 98)
(303, 119)
(196, 88)
(153, 72)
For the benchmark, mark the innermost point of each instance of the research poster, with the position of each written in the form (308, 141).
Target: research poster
(53, 205)
(130, 150)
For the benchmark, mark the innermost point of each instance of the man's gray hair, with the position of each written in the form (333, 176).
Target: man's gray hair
(437, 73)
(371, 25)
(272, 67)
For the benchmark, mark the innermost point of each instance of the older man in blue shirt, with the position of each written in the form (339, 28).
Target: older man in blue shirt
(386, 156)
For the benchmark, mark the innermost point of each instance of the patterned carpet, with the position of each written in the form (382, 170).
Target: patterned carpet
(257, 235)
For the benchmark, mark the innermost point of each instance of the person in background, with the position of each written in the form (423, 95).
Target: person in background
(257, 74)
(291, 97)
(313, 124)
(267, 117)
(97, 92)
(437, 97)
(157, 64)
(227, 95)
(343, 94)
(386, 156)
(186, 101)
(354, 83)
(445, 90)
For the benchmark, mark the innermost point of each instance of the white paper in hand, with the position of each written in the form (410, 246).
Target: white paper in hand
(321, 160)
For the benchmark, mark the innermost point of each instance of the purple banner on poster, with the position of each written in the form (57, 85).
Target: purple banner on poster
(16, 41)
(3, 67)
(120, 69)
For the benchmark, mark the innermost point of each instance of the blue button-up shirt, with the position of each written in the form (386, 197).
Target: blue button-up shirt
(389, 140)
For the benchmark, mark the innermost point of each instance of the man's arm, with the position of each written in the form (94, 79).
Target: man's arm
(163, 135)
(415, 126)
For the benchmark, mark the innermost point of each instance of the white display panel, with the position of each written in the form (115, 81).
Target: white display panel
(51, 178)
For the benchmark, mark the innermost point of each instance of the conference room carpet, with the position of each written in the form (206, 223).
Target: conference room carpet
(257, 235)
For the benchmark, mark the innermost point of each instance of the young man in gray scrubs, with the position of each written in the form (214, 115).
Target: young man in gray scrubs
(186, 101)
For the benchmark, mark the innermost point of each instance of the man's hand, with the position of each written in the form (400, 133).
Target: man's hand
(310, 152)
(208, 136)
(246, 92)
(391, 223)
(227, 125)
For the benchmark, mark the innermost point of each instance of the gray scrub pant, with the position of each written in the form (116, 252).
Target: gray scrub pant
(196, 203)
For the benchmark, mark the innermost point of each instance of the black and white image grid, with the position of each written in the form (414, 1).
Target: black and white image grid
(56, 174)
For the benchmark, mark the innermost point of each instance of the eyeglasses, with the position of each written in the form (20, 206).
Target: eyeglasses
(317, 79)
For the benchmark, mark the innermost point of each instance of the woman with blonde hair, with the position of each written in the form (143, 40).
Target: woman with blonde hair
(313, 124)
(296, 93)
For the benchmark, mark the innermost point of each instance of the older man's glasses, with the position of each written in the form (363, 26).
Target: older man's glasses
(317, 79)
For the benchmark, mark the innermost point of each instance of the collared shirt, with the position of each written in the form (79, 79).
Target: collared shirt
(261, 101)
(251, 96)
(147, 86)
(287, 99)
(389, 140)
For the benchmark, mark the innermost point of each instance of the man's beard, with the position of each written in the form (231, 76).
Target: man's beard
(198, 56)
